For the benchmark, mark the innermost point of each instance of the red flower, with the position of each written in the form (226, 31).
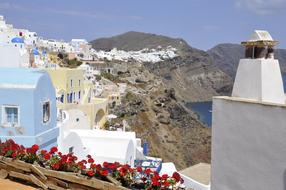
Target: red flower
(113, 166)
(98, 167)
(35, 148)
(166, 184)
(92, 166)
(84, 161)
(139, 169)
(14, 155)
(122, 173)
(148, 171)
(104, 172)
(165, 176)
(53, 150)
(131, 170)
(90, 173)
(143, 179)
(90, 160)
(47, 156)
(43, 152)
(105, 164)
(56, 166)
(88, 156)
(30, 151)
(155, 182)
(176, 176)
(156, 175)
(81, 164)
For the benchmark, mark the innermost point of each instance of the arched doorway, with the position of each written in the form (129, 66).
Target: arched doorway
(99, 117)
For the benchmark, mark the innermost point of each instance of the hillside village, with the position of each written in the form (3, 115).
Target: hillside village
(118, 119)
(78, 102)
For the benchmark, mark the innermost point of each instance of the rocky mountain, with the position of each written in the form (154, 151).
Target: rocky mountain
(226, 57)
(157, 92)
(135, 41)
(191, 73)
(153, 111)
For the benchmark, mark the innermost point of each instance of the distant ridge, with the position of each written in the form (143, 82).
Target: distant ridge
(137, 41)
(226, 57)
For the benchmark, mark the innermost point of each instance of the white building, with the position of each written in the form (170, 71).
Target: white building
(55, 45)
(249, 128)
(109, 146)
(78, 44)
(89, 71)
(14, 54)
(8, 32)
(83, 49)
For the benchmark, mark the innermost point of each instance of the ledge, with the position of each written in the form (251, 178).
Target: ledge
(252, 101)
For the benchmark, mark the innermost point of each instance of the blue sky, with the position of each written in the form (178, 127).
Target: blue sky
(202, 23)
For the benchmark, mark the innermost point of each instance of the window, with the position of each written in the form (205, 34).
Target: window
(62, 98)
(10, 115)
(71, 149)
(46, 112)
(70, 101)
(78, 82)
(71, 83)
(79, 95)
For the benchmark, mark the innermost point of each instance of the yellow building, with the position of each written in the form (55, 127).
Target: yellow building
(73, 92)
(114, 99)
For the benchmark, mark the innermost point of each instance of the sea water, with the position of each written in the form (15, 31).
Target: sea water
(204, 109)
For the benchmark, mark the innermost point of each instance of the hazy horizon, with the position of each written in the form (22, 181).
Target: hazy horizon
(202, 23)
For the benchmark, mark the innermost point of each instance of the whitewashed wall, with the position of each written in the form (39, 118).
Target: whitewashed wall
(11, 56)
(191, 183)
(248, 145)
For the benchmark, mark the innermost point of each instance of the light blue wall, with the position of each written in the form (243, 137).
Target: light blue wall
(46, 132)
(24, 99)
(30, 102)
(44, 92)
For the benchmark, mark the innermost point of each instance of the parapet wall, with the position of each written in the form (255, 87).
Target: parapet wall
(248, 145)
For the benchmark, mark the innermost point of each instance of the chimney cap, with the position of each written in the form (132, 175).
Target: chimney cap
(260, 38)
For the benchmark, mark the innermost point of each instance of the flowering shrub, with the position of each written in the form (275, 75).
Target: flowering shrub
(135, 178)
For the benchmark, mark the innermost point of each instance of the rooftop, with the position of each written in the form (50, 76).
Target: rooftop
(260, 37)
(19, 77)
(200, 172)
(17, 40)
(252, 101)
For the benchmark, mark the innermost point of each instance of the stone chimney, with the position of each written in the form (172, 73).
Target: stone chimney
(258, 75)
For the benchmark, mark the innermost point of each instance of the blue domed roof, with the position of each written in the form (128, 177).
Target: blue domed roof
(35, 51)
(17, 40)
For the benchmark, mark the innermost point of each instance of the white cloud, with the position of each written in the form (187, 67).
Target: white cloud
(72, 13)
(11, 6)
(262, 7)
(68, 12)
